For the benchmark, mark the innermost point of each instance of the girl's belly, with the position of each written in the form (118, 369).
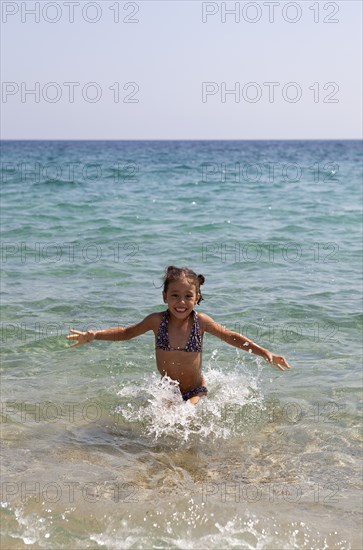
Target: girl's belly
(182, 366)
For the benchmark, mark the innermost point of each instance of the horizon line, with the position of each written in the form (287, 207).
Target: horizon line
(180, 139)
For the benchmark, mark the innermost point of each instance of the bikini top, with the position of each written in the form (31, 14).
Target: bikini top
(195, 339)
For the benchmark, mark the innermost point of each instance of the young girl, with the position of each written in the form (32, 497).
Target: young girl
(179, 334)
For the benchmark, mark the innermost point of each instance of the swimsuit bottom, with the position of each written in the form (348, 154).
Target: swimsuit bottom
(195, 391)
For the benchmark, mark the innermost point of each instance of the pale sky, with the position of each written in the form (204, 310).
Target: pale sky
(181, 69)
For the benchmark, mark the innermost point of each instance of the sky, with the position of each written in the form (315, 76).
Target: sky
(172, 69)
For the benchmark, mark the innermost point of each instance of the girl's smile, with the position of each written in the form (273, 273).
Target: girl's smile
(181, 297)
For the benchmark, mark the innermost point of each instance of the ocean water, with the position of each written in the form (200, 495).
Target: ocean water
(97, 451)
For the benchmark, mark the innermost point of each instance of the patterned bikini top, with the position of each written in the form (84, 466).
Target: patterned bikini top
(195, 339)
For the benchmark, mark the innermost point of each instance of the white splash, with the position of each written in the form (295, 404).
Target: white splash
(157, 405)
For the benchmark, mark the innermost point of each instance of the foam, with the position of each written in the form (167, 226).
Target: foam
(156, 404)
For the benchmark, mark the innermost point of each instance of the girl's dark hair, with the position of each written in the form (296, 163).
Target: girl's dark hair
(173, 273)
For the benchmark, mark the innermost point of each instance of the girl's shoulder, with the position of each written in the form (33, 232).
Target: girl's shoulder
(204, 320)
(154, 319)
(207, 324)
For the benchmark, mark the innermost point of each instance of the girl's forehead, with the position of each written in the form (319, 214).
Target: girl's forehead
(182, 284)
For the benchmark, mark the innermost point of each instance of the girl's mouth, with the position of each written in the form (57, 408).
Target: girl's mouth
(181, 309)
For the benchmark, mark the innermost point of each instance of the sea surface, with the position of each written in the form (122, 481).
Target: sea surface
(97, 450)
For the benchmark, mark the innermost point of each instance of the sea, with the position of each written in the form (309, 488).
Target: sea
(97, 450)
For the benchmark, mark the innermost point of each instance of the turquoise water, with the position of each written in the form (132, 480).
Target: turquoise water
(97, 452)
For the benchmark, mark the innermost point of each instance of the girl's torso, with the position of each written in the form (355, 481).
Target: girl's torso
(194, 342)
(178, 350)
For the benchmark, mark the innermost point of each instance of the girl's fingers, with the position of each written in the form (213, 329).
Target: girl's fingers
(80, 337)
(76, 334)
(284, 362)
(281, 362)
(279, 366)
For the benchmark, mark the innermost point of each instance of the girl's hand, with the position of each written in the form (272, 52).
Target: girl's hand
(81, 337)
(277, 360)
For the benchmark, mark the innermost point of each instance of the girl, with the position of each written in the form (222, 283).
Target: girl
(179, 334)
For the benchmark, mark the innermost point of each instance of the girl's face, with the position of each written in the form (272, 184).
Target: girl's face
(181, 297)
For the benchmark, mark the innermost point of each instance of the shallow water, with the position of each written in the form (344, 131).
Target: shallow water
(97, 451)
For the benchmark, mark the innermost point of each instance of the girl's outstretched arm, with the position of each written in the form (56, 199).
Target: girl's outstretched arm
(242, 342)
(114, 334)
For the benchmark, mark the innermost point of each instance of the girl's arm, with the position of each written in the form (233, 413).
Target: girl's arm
(240, 341)
(114, 334)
